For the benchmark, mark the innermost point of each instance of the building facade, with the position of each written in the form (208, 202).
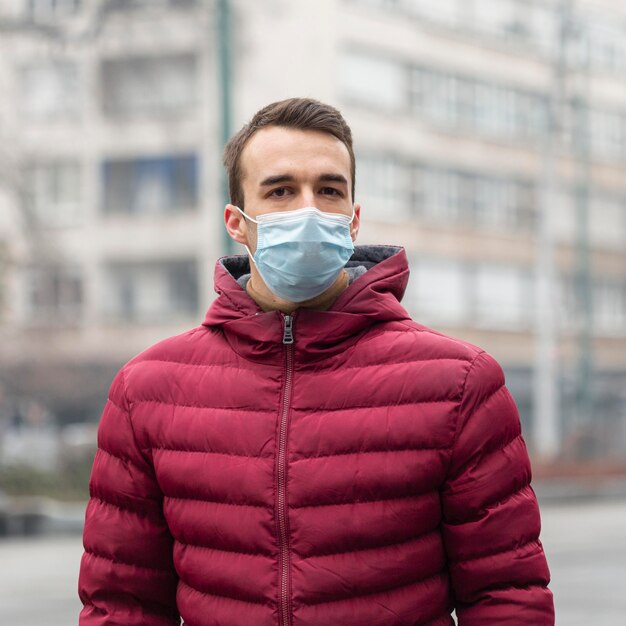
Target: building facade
(490, 139)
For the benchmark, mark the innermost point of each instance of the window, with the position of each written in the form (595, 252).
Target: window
(419, 89)
(151, 185)
(503, 297)
(384, 186)
(607, 221)
(442, 11)
(523, 21)
(54, 295)
(435, 95)
(497, 107)
(142, 84)
(156, 291)
(494, 16)
(438, 291)
(467, 103)
(609, 310)
(440, 193)
(373, 81)
(43, 10)
(608, 134)
(531, 114)
(443, 97)
(567, 301)
(607, 49)
(124, 5)
(49, 90)
(497, 204)
(468, 198)
(486, 295)
(544, 25)
(562, 215)
(53, 193)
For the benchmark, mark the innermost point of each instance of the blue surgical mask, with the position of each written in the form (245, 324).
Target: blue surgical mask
(301, 253)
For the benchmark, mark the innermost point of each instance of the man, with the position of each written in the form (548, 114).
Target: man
(309, 455)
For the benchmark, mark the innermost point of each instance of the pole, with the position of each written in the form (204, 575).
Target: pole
(223, 38)
(547, 431)
(584, 374)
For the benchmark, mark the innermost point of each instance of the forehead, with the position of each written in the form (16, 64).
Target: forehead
(277, 150)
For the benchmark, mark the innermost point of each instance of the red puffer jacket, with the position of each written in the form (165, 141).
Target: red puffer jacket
(346, 467)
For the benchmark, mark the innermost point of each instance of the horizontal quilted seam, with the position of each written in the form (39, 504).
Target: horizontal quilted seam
(119, 457)
(472, 486)
(208, 501)
(381, 451)
(116, 405)
(495, 553)
(271, 555)
(487, 452)
(202, 406)
(501, 501)
(367, 338)
(139, 513)
(444, 620)
(186, 450)
(406, 497)
(486, 399)
(112, 610)
(199, 364)
(161, 571)
(299, 408)
(506, 586)
(209, 594)
(490, 505)
(421, 581)
(421, 538)
(409, 362)
(300, 458)
(372, 406)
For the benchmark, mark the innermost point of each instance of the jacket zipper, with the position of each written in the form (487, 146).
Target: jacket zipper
(285, 616)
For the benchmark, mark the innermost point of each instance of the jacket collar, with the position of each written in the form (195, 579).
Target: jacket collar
(379, 275)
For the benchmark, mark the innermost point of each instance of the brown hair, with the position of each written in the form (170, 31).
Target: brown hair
(300, 113)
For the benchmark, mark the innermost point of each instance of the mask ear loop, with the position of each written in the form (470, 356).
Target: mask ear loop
(244, 245)
(246, 216)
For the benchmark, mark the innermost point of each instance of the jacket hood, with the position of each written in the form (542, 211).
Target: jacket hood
(379, 276)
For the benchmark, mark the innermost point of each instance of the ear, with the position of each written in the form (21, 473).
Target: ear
(235, 224)
(356, 222)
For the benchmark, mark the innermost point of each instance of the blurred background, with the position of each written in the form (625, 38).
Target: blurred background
(490, 138)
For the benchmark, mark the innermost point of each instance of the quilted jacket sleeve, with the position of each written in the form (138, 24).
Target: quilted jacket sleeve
(126, 572)
(491, 526)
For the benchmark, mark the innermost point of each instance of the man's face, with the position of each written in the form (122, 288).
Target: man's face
(285, 169)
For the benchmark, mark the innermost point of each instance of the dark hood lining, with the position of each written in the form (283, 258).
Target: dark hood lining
(363, 259)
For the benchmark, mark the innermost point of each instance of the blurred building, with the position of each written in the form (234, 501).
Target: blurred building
(473, 121)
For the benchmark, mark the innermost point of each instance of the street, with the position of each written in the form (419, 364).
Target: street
(586, 548)
(585, 544)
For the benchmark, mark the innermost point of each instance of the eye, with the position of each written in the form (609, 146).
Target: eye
(331, 191)
(279, 192)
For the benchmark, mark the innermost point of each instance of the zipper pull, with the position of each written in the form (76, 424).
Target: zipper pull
(288, 331)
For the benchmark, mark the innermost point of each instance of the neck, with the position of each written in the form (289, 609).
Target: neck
(270, 302)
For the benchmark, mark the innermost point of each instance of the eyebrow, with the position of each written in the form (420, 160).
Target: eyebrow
(334, 178)
(274, 180)
(288, 178)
